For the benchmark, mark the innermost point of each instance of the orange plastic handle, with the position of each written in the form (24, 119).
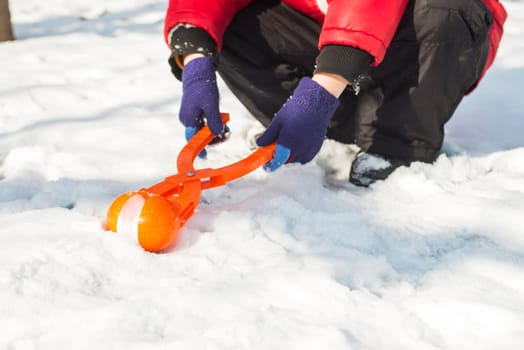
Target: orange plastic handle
(185, 187)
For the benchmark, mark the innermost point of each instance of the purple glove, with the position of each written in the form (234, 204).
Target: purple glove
(301, 124)
(200, 96)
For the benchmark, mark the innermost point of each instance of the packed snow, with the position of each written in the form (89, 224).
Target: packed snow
(431, 258)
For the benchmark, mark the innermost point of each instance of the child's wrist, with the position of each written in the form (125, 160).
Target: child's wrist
(333, 83)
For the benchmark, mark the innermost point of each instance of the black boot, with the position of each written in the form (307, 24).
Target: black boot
(368, 168)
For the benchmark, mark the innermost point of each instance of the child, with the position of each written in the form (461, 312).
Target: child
(385, 74)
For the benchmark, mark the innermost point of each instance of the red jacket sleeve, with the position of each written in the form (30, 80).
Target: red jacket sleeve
(366, 24)
(496, 31)
(211, 15)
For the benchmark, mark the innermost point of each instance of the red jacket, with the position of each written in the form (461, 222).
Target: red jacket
(343, 24)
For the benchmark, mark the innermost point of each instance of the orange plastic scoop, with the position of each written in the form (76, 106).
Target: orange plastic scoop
(156, 214)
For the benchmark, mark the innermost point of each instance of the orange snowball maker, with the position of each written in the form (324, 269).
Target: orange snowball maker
(156, 214)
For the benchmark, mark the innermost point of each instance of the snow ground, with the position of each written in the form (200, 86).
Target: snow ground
(432, 258)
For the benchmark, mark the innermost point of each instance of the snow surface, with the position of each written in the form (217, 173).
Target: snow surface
(432, 258)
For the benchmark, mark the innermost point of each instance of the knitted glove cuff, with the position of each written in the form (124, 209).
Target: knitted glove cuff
(199, 69)
(315, 98)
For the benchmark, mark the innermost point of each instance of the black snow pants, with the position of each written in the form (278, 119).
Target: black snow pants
(436, 56)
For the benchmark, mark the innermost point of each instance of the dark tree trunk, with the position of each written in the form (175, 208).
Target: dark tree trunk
(6, 29)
